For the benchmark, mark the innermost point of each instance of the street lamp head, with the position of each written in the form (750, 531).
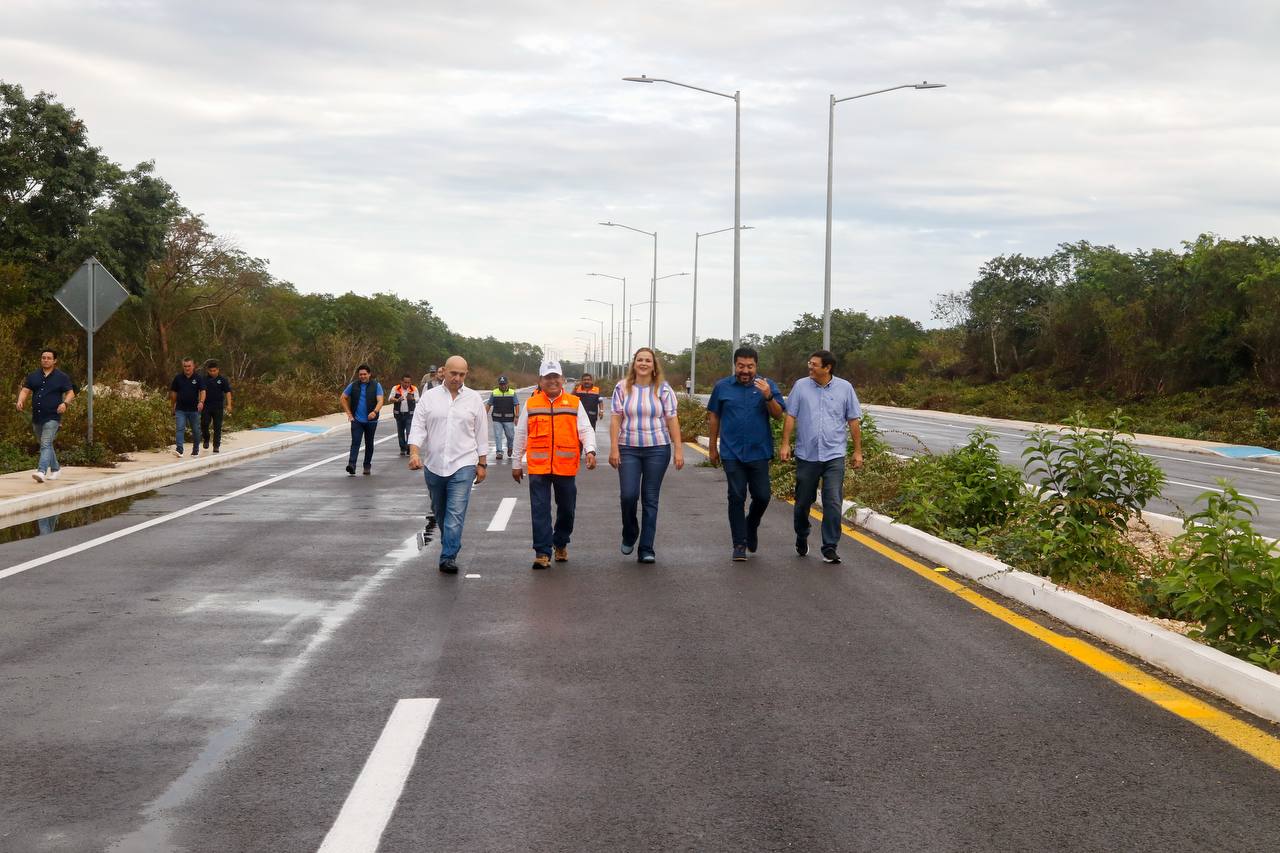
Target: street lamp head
(927, 85)
(641, 79)
(610, 224)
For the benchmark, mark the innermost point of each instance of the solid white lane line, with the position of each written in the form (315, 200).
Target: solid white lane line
(503, 515)
(1219, 491)
(373, 798)
(119, 534)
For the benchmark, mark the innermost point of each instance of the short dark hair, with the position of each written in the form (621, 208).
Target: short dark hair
(364, 367)
(746, 352)
(187, 358)
(586, 375)
(825, 356)
(213, 362)
(406, 376)
(51, 351)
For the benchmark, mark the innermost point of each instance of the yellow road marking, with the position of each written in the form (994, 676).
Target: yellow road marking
(1245, 737)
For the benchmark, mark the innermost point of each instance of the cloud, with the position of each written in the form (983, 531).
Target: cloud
(464, 155)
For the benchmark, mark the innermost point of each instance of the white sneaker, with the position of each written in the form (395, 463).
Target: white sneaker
(38, 476)
(53, 475)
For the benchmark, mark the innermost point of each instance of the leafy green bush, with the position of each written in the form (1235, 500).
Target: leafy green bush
(962, 495)
(693, 418)
(1227, 578)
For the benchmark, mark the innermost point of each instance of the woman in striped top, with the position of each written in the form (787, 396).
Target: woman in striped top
(644, 436)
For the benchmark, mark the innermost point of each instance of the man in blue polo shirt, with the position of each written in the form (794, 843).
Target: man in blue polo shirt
(50, 391)
(823, 410)
(186, 396)
(362, 401)
(742, 441)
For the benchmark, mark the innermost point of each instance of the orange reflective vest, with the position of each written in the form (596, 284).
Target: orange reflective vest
(552, 446)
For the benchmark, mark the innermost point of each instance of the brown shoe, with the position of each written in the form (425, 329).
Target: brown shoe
(562, 554)
(541, 561)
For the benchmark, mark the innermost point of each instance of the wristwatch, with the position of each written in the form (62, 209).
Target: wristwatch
(482, 464)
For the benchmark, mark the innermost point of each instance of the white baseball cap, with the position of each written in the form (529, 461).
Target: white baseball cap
(550, 366)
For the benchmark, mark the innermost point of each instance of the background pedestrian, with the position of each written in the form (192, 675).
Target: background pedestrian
(404, 399)
(362, 401)
(217, 403)
(186, 397)
(50, 391)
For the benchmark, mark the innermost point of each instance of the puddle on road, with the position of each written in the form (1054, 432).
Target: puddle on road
(68, 519)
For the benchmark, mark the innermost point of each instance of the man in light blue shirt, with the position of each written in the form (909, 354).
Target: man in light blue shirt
(822, 410)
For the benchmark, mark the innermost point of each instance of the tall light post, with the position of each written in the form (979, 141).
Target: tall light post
(601, 345)
(622, 278)
(612, 341)
(831, 135)
(631, 324)
(653, 284)
(693, 340)
(591, 340)
(736, 97)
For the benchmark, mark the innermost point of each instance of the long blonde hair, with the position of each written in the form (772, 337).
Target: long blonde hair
(630, 381)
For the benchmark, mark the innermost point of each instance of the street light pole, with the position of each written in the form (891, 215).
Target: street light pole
(612, 341)
(653, 284)
(736, 97)
(623, 279)
(601, 322)
(831, 134)
(693, 342)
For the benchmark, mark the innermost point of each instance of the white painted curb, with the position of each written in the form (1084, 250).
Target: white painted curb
(16, 510)
(1244, 684)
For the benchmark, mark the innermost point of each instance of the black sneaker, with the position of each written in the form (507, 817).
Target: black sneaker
(499, 455)
(646, 558)
(351, 470)
(217, 450)
(753, 539)
(829, 555)
(367, 471)
(449, 567)
(206, 445)
(195, 451)
(802, 545)
(739, 553)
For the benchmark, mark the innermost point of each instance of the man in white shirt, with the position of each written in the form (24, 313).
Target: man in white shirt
(451, 426)
(560, 432)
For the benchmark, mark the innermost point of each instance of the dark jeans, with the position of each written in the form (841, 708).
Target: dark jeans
(566, 492)
(211, 416)
(640, 474)
(362, 431)
(832, 475)
(403, 421)
(449, 497)
(744, 477)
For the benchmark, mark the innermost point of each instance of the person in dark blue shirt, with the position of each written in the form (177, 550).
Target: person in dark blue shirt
(742, 442)
(50, 391)
(362, 401)
(217, 403)
(186, 395)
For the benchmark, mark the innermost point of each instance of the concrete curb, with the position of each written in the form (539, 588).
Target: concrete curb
(1244, 684)
(17, 510)
(1186, 445)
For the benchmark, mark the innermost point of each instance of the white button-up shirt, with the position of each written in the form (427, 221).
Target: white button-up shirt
(453, 432)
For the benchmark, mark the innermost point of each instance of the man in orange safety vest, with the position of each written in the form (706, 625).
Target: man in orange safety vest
(553, 431)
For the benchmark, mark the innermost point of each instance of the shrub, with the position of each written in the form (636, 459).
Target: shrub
(962, 495)
(1226, 577)
(693, 418)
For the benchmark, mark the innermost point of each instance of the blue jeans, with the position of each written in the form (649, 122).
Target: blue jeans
(744, 478)
(832, 475)
(362, 431)
(640, 473)
(449, 498)
(45, 433)
(541, 487)
(182, 420)
(404, 422)
(500, 429)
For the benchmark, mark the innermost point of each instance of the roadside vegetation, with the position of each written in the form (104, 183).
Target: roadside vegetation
(1081, 526)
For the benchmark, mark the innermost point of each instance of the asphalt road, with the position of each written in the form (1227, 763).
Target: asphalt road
(1188, 475)
(218, 682)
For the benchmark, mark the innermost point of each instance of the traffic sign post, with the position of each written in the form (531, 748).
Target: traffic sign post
(91, 296)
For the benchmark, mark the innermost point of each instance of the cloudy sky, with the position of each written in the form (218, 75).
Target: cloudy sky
(466, 157)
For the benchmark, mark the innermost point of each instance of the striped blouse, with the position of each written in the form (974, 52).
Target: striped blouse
(644, 416)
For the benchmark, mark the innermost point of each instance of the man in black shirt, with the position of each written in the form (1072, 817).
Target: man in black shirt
(186, 395)
(217, 402)
(50, 391)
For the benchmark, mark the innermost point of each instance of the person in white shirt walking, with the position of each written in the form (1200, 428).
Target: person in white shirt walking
(553, 431)
(450, 426)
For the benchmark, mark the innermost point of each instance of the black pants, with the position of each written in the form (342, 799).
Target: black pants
(362, 431)
(403, 421)
(213, 416)
(745, 478)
